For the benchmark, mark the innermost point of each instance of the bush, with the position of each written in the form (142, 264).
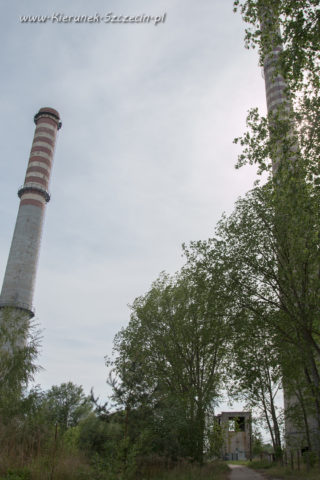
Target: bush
(17, 474)
(309, 458)
(263, 464)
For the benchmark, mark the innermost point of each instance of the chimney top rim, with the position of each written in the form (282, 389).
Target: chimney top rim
(48, 111)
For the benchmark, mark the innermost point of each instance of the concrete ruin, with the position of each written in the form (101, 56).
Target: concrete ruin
(236, 431)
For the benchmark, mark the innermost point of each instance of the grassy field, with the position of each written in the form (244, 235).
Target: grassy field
(278, 471)
(68, 468)
(75, 468)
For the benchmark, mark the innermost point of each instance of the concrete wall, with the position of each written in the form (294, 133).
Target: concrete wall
(20, 276)
(237, 439)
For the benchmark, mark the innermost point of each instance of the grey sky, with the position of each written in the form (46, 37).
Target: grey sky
(144, 160)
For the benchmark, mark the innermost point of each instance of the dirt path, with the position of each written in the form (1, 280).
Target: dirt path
(240, 472)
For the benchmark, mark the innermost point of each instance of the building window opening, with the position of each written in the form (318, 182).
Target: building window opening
(236, 424)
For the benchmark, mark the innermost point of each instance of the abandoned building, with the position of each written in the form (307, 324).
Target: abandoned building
(236, 430)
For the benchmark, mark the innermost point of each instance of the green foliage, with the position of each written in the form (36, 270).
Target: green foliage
(299, 22)
(271, 262)
(19, 343)
(71, 438)
(17, 474)
(66, 404)
(170, 357)
(276, 470)
(257, 444)
(99, 437)
(260, 464)
(309, 458)
(283, 259)
(216, 439)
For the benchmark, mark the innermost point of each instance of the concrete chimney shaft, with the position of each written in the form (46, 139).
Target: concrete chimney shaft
(20, 275)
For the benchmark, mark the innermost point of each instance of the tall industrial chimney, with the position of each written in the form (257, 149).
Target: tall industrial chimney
(20, 275)
(279, 103)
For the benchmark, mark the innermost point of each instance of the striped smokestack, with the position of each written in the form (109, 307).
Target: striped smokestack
(20, 275)
(279, 108)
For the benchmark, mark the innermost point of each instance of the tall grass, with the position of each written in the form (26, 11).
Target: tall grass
(276, 470)
(67, 467)
(76, 468)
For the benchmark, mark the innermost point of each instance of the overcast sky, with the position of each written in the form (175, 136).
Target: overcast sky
(144, 160)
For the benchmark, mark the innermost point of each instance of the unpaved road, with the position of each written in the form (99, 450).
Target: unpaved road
(240, 472)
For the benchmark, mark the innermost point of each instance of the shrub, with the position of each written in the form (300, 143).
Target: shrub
(17, 474)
